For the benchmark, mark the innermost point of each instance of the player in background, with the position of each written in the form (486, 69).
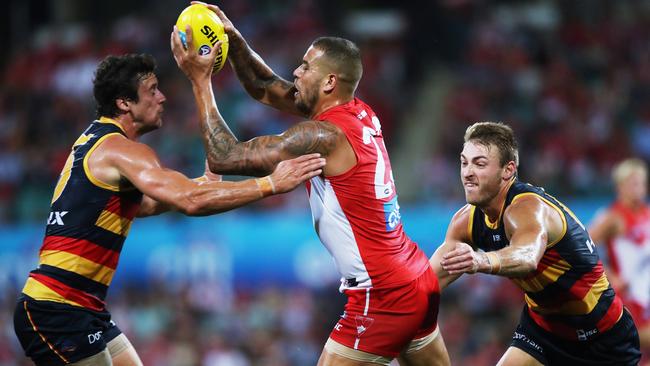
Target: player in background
(108, 180)
(571, 316)
(624, 228)
(392, 291)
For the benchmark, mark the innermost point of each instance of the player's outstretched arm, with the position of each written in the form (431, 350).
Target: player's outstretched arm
(259, 156)
(455, 237)
(605, 226)
(151, 207)
(527, 223)
(259, 80)
(138, 164)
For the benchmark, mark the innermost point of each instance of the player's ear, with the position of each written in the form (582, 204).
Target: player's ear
(123, 104)
(329, 83)
(509, 170)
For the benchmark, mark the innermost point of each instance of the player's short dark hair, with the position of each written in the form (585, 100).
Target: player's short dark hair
(344, 55)
(497, 134)
(119, 77)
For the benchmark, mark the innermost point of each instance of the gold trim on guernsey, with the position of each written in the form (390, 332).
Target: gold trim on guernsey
(92, 179)
(111, 121)
(470, 223)
(549, 275)
(495, 225)
(114, 223)
(559, 211)
(79, 265)
(575, 307)
(39, 291)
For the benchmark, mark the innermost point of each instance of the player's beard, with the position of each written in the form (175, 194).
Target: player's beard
(306, 102)
(485, 193)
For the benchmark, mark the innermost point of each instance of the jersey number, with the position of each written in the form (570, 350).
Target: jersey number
(383, 188)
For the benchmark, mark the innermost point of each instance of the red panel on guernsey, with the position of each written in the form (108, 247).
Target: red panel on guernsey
(580, 289)
(368, 202)
(82, 298)
(550, 258)
(82, 248)
(564, 331)
(122, 207)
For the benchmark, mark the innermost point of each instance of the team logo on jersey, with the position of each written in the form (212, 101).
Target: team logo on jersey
(363, 323)
(67, 346)
(393, 216)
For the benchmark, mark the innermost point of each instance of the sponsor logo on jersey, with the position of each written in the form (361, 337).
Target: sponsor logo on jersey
(528, 341)
(56, 218)
(583, 335)
(393, 216)
(94, 337)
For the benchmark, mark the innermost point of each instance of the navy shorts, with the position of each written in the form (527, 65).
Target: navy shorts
(57, 334)
(617, 346)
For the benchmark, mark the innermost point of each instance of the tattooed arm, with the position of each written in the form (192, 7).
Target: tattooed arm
(259, 156)
(256, 76)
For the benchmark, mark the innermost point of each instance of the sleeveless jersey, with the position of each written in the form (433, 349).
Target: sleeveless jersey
(87, 225)
(629, 253)
(356, 214)
(568, 294)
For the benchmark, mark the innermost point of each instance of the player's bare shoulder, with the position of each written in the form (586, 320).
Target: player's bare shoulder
(528, 211)
(118, 156)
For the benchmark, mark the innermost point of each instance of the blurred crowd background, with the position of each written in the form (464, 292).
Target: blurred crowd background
(571, 77)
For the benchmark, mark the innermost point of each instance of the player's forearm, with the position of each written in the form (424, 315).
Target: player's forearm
(252, 71)
(510, 261)
(225, 154)
(214, 197)
(151, 207)
(259, 80)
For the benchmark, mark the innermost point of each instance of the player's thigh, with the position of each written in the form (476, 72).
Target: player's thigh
(517, 357)
(122, 352)
(434, 353)
(337, 354)
(102, 358)
(333, 359)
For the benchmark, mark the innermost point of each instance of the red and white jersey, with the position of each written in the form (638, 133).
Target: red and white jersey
(356, 214)
(629, 253)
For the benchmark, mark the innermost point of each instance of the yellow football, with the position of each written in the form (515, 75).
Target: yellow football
(207, 29)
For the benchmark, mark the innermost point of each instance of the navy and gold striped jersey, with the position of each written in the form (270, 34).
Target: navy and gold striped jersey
(88, 223)
(568, 294)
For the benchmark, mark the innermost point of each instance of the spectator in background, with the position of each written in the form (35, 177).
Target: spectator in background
(624, 228)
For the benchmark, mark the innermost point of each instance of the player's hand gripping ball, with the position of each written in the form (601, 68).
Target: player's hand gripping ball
(207, 29)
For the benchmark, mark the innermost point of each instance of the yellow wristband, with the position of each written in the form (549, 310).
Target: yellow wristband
(265, 186)
(495, 262)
